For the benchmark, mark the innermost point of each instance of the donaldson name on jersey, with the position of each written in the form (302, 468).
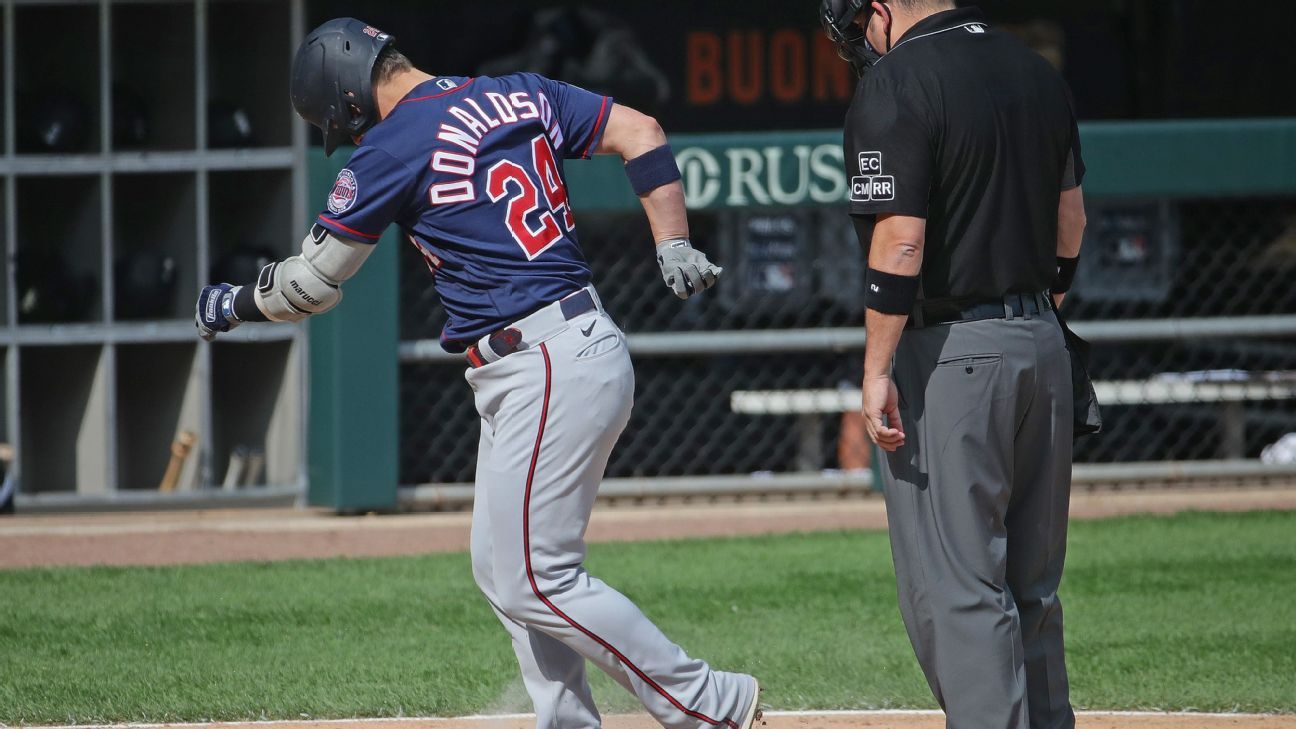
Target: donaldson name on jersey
(471, 169)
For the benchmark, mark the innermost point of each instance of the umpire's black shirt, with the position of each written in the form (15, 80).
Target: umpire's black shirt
(968, 128)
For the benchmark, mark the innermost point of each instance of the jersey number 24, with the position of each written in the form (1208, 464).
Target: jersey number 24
(509, 179)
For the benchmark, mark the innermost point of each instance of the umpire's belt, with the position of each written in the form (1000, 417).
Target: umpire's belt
(935, 312)
(534, 328)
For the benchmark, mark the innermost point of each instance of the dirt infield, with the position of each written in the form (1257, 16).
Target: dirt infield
(782, 720)
(273, 534)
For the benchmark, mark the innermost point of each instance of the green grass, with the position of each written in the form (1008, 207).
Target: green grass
(1196, 611)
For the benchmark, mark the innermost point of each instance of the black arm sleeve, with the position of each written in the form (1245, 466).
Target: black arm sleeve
(245, 307)
(890, 147)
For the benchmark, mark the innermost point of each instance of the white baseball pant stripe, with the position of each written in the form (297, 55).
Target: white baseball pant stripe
(550, 415)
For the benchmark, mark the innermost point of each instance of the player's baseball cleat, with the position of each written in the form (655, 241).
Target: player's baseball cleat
(754, 713)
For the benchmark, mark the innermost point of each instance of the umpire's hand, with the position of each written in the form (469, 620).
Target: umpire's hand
(882, 413)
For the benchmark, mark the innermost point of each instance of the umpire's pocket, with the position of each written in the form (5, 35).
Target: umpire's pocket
(971, 360)
(960, 396)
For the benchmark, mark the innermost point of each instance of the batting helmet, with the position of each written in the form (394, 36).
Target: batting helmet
(130, 118)
(332, 78)
(228, 125)
(57, 121)
(145, 284)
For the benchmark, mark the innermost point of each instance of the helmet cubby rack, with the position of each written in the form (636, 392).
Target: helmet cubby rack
(147, 146)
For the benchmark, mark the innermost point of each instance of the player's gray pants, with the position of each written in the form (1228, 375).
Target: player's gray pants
(977, 504)
(550, 415)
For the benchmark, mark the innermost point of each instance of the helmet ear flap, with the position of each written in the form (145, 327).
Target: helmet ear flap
(332, 137)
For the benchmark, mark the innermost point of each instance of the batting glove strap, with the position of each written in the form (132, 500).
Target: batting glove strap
(227, 306)
(685, 269)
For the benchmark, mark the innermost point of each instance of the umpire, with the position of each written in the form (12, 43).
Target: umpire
(964, 159)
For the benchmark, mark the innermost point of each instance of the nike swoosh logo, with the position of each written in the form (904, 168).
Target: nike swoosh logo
(589, 329)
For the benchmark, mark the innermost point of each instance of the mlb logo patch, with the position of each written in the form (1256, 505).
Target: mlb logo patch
(344, 192)
(445, 84)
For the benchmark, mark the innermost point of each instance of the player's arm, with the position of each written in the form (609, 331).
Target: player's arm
(650, 166)
(366, 198)
(631, 135)
(289, 290)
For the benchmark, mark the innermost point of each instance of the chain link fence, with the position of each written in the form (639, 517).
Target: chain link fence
(1193, 398)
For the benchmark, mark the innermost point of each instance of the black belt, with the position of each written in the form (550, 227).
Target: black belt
(508, 340)
(935, 312)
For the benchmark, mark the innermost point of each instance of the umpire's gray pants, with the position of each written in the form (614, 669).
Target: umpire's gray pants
(977, 505)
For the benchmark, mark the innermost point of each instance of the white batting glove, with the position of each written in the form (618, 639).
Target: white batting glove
(685, 269)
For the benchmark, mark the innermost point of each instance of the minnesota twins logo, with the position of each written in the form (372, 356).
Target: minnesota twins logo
(344, 193)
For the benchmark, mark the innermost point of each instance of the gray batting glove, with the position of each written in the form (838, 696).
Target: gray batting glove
(685, 269)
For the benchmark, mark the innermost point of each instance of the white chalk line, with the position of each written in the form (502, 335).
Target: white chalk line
(862, 713)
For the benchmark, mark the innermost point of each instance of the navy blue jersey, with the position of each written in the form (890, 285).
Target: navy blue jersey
(471, 169)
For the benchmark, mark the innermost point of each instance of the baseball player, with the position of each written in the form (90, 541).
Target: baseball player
(471, 170)
(965, 166)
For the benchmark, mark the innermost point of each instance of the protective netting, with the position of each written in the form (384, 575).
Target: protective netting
(1181, 399)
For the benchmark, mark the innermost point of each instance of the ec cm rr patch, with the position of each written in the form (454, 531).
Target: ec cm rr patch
(870, 184)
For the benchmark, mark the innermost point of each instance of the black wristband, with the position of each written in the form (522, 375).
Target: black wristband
(890, 293)
(1066, 271)
(245, 307)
